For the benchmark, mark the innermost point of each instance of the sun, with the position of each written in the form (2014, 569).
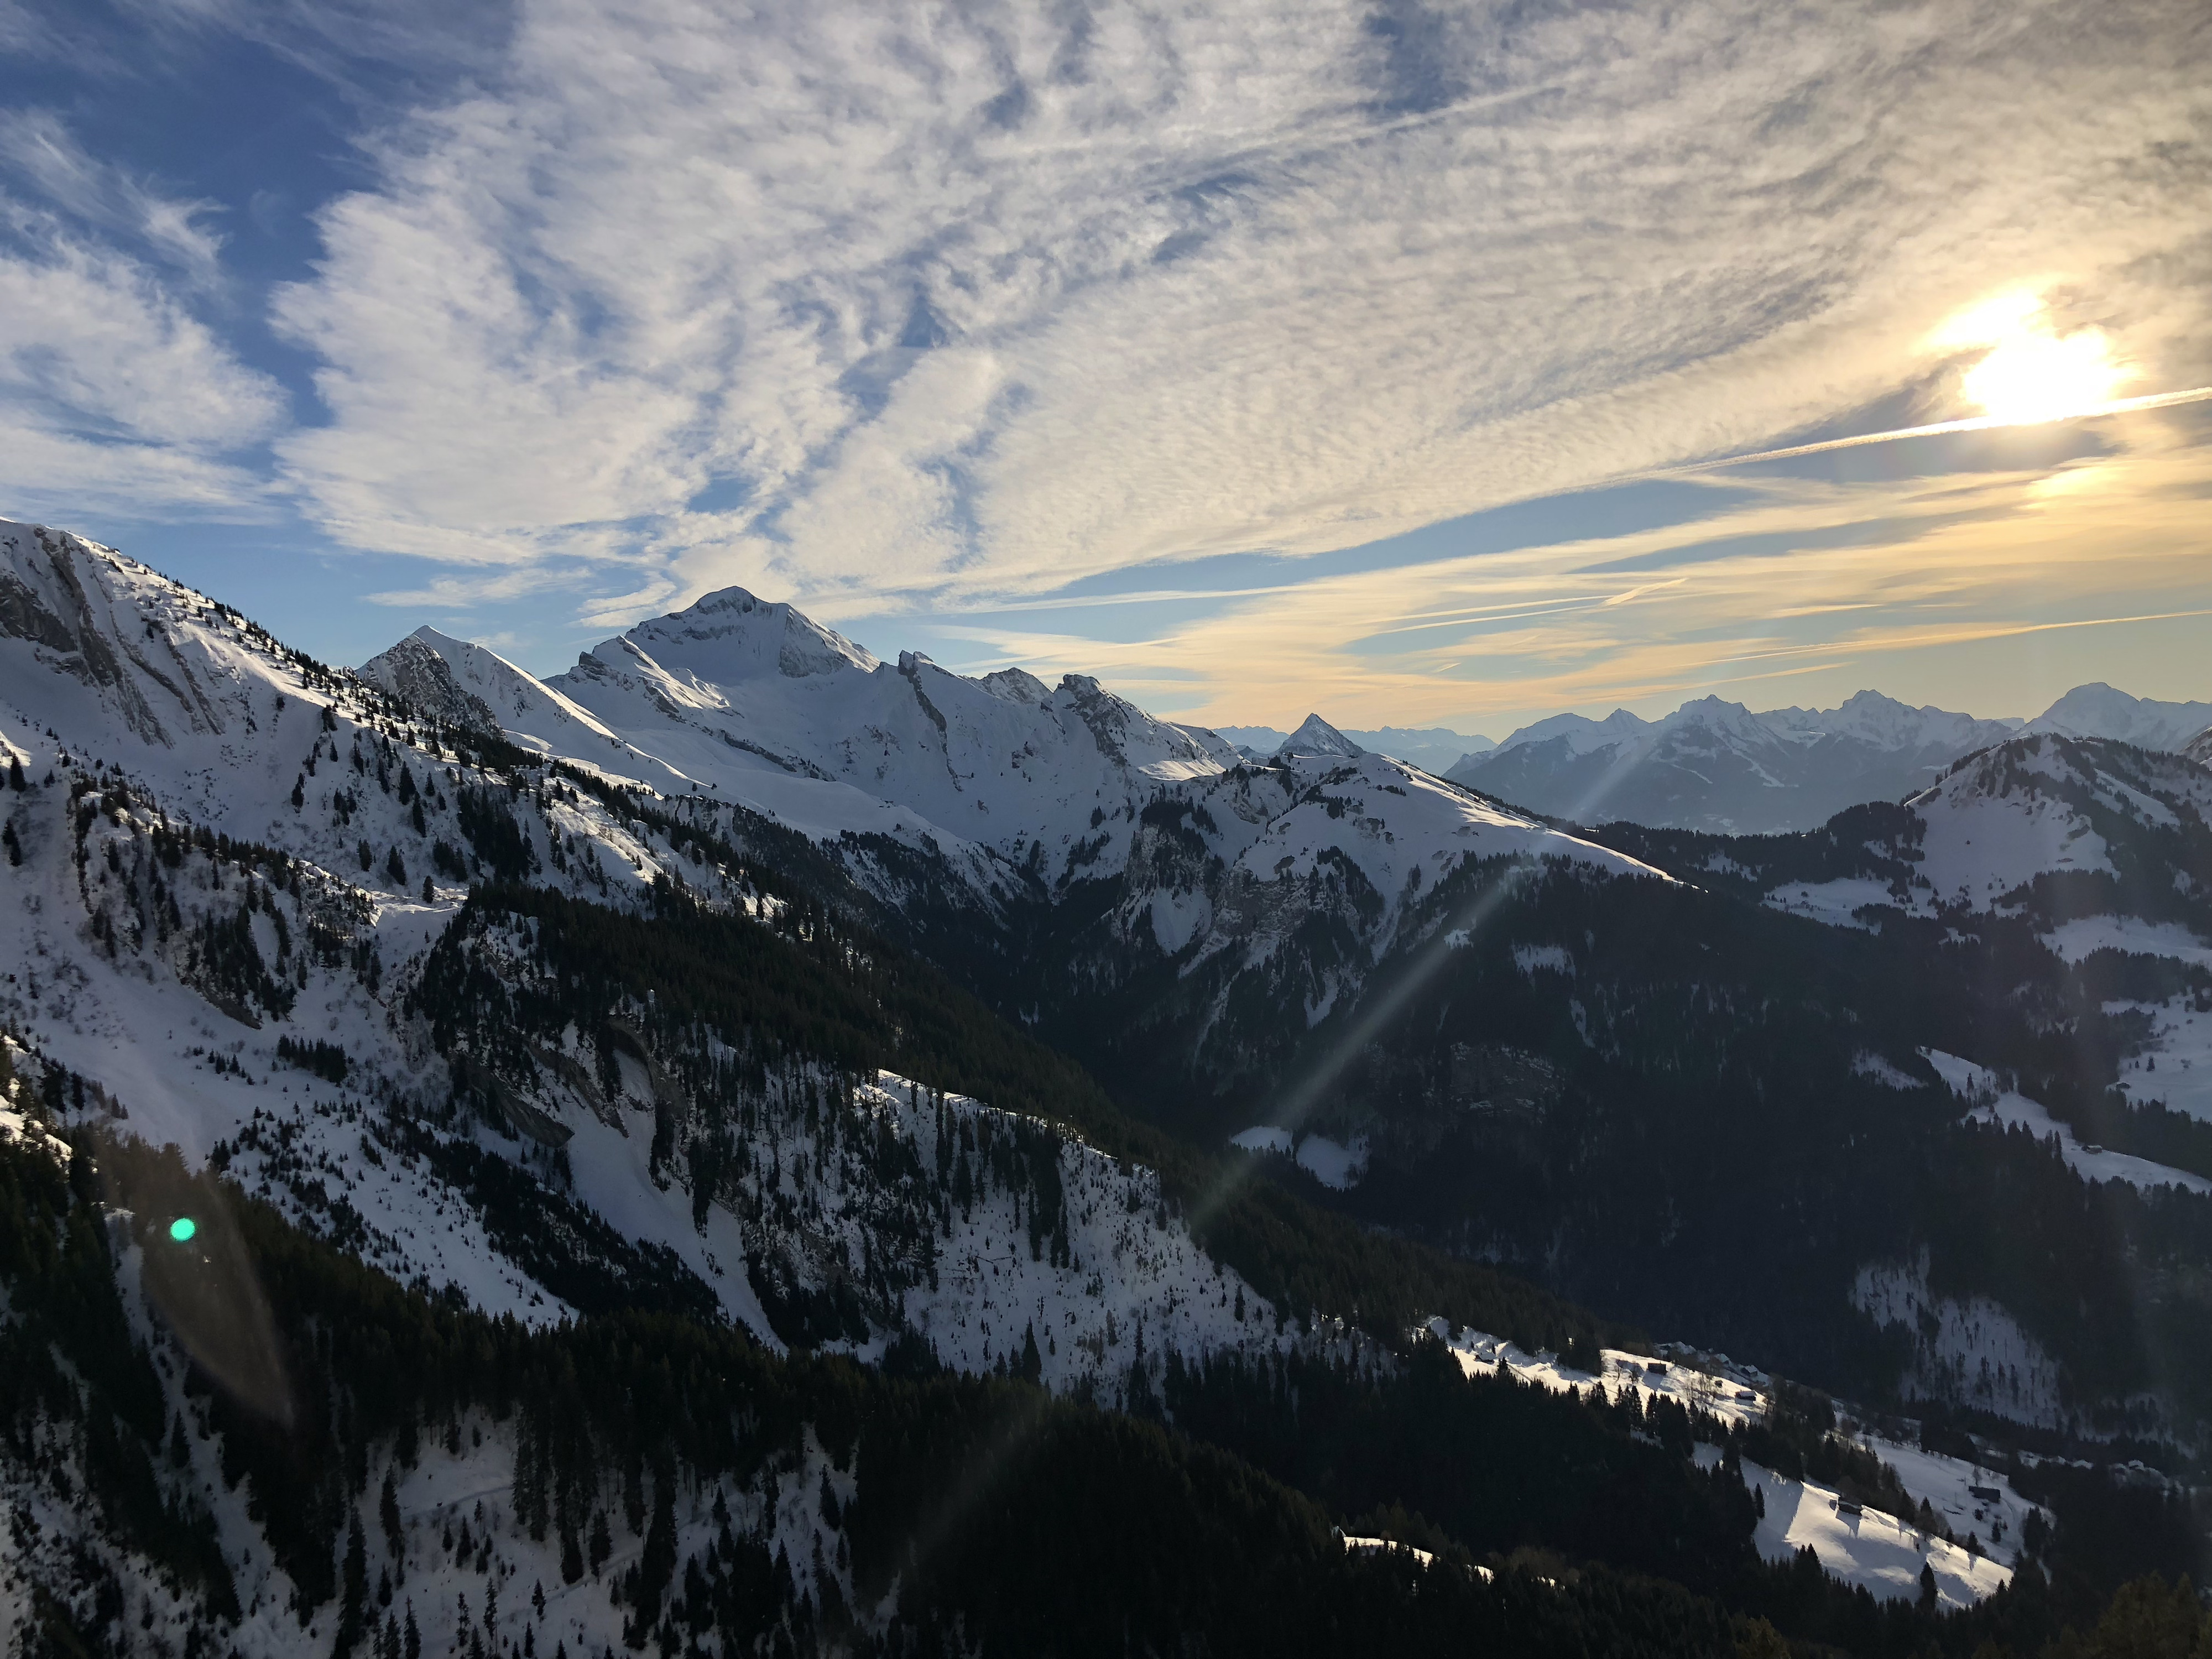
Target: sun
(2029, 372)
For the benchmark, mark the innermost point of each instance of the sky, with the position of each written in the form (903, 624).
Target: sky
(1392, 360)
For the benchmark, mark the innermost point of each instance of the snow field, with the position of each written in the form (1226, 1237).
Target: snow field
(2176, 1068)
(1330, 1162)
(1870, 1549)
(1977, 1355)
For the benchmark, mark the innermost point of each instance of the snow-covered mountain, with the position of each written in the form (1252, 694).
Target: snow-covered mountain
(2066, 829)
(1716, 765)
(489, 981)
(2100, 711)
(2103, 848)
(1018, 790)
(223, 847)
(1317, 737)
(232, 872)
(1719, 767)
(754, 703)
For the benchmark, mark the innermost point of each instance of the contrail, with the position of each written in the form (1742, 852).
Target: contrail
(1977, 423)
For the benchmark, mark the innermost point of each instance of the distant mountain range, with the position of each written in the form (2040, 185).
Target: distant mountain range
(1718, 766)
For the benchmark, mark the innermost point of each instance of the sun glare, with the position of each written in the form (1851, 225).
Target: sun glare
(2029, 372)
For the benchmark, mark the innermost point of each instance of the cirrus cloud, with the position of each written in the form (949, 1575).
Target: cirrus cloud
(861, 300)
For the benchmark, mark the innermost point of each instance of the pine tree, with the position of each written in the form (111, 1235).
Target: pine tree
(656, 1563)
(355, 1581)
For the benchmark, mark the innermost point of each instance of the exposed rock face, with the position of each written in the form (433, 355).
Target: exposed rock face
(414, 669)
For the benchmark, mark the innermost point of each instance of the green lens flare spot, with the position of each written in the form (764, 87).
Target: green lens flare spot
(183, 1228)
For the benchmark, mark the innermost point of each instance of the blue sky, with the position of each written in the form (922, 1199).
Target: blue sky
(1270, 355)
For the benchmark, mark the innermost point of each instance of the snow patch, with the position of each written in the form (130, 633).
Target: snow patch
(2074, 940)
(1984, 1092)
(1973, 1352)
(1530, 958)
(1866, 1063)
(1333, 1163)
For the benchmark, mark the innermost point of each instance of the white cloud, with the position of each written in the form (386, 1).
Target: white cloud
(113, 396)
(976, 298)
(40, 149)
(1762, 600)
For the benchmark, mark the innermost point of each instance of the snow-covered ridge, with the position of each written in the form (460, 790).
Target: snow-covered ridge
(760, 706)
(2001, 821)
(2100, 711)
(1020, 792)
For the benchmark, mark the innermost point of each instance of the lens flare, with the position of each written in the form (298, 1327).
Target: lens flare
(183, 1229)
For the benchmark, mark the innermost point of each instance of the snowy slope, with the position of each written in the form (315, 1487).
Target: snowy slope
(2106, 845)
(1880, 1551)
(466, 683)
(452, 1568)
(1304, 870)
(1969, 1352)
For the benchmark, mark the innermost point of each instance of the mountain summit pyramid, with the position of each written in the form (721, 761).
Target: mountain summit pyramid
(1318, 736)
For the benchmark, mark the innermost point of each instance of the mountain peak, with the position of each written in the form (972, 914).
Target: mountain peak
(732, 635)
(1318, 736)
(2097, 710)
(419, 669)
